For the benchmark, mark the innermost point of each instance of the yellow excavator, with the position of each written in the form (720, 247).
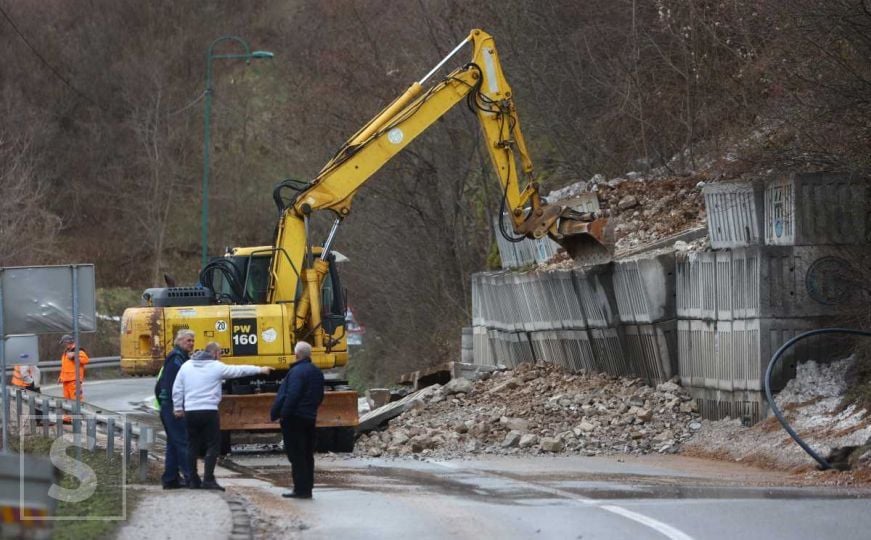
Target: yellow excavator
(258, 302)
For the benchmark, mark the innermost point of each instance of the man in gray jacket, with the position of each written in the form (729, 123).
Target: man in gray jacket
(196, 394)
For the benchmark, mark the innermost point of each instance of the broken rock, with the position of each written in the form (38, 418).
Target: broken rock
(458, 386)
(512, 439)
(528, 440)
(550, 444)
(515, 424)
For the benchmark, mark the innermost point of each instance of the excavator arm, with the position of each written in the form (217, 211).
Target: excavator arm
(483, 85)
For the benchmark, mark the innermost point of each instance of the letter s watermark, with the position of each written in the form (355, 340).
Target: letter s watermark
(82, 471)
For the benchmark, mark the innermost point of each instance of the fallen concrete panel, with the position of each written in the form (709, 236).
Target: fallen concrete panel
(373, 419)
(471, 372)
(422, 378)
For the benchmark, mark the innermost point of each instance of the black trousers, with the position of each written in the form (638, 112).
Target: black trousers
(299, 444)
(204, 435)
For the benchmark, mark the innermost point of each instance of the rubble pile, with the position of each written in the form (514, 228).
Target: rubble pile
(645, 209)
(813, 405)
(538, 409)
(648, 210)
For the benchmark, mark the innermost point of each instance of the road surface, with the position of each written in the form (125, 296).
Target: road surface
(569, 497)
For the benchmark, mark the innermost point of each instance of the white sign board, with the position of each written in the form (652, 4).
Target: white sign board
(21, 350)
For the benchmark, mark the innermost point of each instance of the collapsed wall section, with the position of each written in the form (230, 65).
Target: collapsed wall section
(788, 258)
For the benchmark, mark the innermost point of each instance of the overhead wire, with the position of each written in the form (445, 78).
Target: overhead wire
(45, 62)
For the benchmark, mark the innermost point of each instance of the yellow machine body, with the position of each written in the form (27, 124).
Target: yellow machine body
(282, 294)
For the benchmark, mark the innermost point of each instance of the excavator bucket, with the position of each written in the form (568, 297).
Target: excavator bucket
(587, 242)
(584, 230)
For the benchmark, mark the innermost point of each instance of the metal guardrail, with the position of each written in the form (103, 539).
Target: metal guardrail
(50, 366)
(45, 415)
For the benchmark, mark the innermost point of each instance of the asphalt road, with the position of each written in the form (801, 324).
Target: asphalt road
(119, 395)
(569, 497)
(527, 497)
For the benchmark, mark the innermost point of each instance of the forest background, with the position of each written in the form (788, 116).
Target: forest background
(102, 133)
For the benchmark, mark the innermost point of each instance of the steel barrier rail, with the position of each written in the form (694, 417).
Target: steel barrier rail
(54, 365)
(45, 415)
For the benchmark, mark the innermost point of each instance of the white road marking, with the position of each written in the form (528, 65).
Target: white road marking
(664, 529)
(660, 527)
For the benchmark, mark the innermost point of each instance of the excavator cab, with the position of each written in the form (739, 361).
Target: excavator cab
(247, 283)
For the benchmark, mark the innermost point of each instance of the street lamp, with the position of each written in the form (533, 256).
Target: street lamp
(247, 56)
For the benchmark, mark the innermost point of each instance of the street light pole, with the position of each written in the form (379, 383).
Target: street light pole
(247, 56)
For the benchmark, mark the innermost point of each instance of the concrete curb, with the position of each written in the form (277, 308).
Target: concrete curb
(242, 528)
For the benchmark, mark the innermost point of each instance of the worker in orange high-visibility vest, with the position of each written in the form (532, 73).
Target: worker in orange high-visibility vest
(26, 377)
(68, 367)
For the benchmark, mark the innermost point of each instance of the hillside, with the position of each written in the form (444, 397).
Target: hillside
(101, 151)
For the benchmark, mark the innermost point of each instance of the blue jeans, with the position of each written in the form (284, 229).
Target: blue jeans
(176, 445)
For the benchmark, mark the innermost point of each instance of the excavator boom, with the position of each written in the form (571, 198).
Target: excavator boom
(483, 85)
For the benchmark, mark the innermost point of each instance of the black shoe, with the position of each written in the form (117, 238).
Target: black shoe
(211, 484)
(295, 495)
(194, 482)
(175, 484)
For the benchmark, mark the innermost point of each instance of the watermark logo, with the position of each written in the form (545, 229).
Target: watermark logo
(88, 483)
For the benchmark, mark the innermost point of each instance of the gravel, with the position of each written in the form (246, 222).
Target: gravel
(812, 404)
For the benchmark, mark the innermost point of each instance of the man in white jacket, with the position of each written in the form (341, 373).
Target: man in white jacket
(196, 394)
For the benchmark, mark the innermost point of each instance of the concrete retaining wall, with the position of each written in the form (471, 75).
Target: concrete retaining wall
(734, 213)
(523, 253)
(712, 318)
(572, 318)
(770, 281)
(750, 407)
(820, 208)
(733, 355)
(645, 288)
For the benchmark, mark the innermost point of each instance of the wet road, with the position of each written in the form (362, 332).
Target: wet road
(570, 497)
(527, 497)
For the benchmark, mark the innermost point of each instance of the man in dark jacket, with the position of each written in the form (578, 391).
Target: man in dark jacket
(296, 405)
(176, 431)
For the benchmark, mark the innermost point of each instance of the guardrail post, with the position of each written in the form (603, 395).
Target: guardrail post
(31, 412)
(91, 435)
(143, 444)
(128, 434)
(59, 417)
(7, 400)
(18, 403)
(46, 417)
(77, 429)
(110, 437)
